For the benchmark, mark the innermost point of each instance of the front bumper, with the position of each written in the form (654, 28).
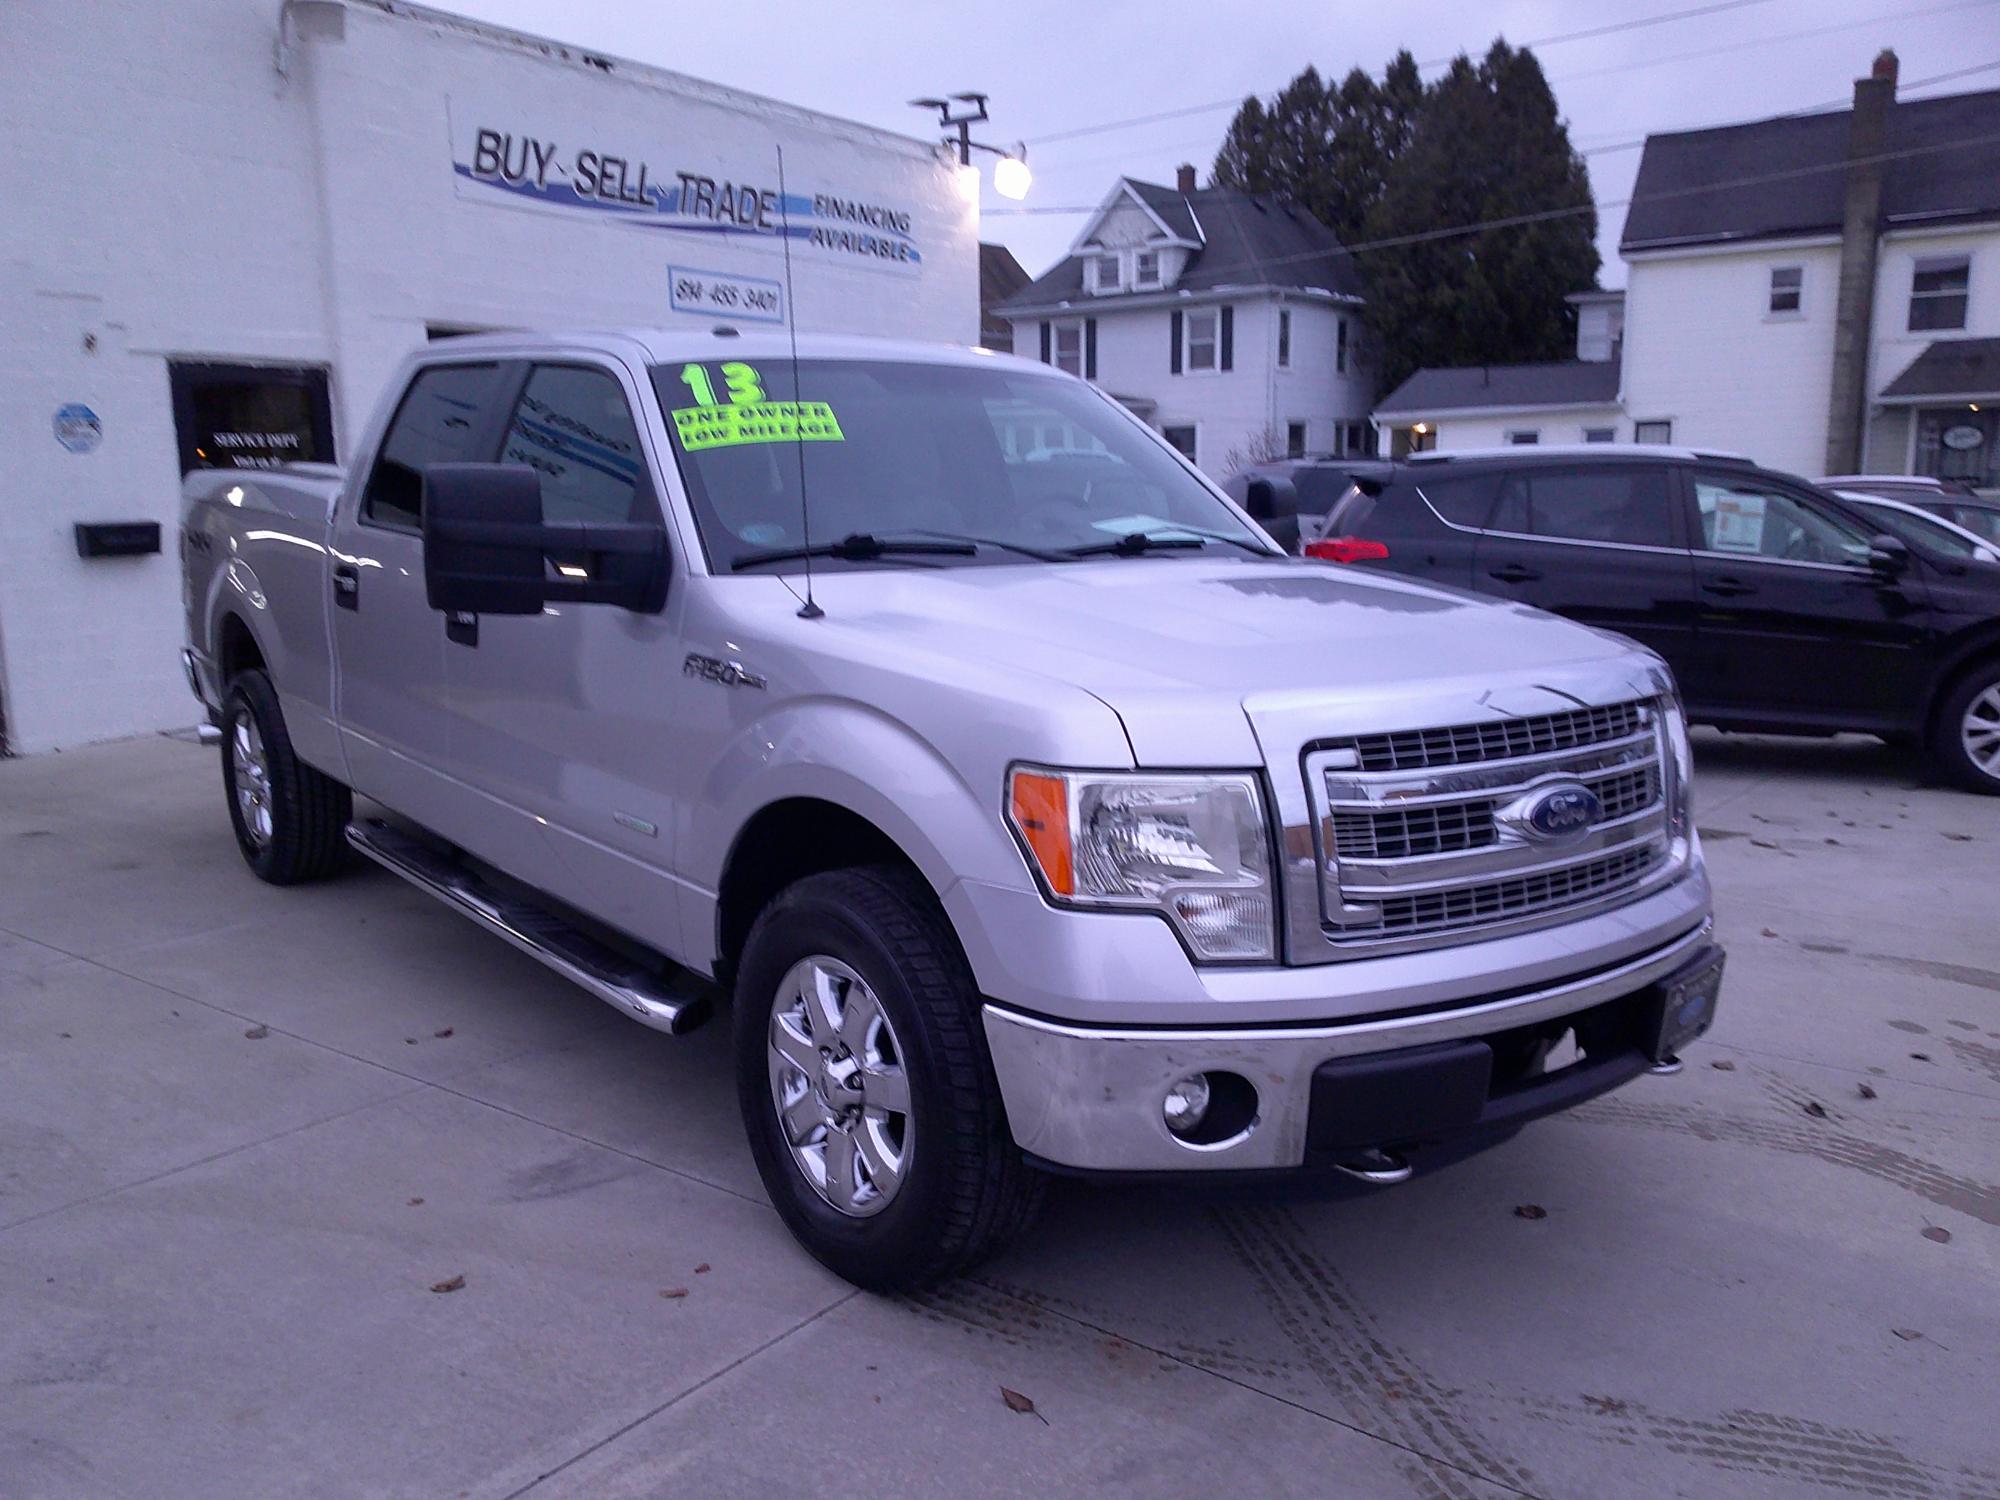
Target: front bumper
(1090, 1098)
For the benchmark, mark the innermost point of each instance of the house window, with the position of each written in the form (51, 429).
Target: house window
(1201, 339)
(1295, 440)
(1653, 432)
(1787, 289)
(1600, 434)
(1107, 272)
(1284, 338)
(1937, 292)
(1358, 439)
(1146, 268)
(1069, 348)
(1181, 439)
(1340, 347)
(1522, 437)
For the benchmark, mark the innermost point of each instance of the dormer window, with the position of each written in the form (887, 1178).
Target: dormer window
(1105, 269)
(1146, 268)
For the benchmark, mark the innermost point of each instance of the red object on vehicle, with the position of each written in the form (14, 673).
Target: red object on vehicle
(1345, 549)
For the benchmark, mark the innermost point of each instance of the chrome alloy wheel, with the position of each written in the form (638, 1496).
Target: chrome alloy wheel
(1979, 731)
(838, 1085)
(251, 773)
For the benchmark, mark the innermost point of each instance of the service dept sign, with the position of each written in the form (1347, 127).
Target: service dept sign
(497, 158)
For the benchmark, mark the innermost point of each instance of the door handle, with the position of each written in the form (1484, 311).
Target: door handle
(1514, 573)
(1728, 588)
(347, 585)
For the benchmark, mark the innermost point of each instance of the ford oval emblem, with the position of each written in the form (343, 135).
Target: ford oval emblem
(1557, 814)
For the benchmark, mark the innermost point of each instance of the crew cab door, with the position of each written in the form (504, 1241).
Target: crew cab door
(562, 722)
(1794, 625)
(388, 644)
(1600, 543)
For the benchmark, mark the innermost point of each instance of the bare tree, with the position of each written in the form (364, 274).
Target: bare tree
(1258, 448)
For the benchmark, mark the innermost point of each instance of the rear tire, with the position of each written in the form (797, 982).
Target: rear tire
(1965, 738)
(892, 1163)
(290, 820)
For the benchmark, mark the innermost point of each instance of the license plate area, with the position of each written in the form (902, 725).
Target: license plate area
(1684, 1006)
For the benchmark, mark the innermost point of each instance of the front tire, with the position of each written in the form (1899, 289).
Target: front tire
(290, 820)
(1965, 740)
(865, 1084)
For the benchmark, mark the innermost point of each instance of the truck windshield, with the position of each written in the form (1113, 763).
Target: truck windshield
(1018, 462)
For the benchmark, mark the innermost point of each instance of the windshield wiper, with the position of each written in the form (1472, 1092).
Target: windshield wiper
(1135, 544)
(1040, 554)
(856, 546)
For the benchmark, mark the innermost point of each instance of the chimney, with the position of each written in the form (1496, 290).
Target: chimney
(1184, 180)
(1860, 236)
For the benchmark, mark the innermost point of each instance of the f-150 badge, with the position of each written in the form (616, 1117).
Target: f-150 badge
(728, 673)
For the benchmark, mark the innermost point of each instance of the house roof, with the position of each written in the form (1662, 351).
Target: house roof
(1950, 367)
(1785, 177)
(1245, 240)
(1438, 388)
(1000, 276)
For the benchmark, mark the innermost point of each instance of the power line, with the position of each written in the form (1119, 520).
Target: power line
(1550, 215)
(1634, 24)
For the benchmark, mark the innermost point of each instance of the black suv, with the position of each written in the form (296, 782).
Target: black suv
(1779, 607)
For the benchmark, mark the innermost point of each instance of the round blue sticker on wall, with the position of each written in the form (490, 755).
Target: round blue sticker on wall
(77, 427)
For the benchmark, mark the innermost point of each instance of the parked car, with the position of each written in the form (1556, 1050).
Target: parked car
(1920, 528)
(1778, 606)
(1953, 499)
(1032, 829)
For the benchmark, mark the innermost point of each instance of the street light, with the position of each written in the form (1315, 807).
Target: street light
(959, 113)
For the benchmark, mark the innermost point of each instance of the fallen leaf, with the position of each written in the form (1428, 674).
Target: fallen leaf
(1814, 1108)
(702, 1269)
(1959, 838)
(65, 1036)
(1530, 1211)
(414, 1202)
(258, 1033)
(1020, 1403)
(1723, 1065)
(441, 1035)
(1764, 843)
(1833, 841)
(1908, 1334)
(449, 1284)
(1937, 1235)
(1605, 1405)
(409, 1041)
(1864, 1091)
(671, 1292)
(1770, 932)
(1920, 1056)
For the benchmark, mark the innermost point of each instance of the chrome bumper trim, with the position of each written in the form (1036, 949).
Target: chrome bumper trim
(1091, 1097)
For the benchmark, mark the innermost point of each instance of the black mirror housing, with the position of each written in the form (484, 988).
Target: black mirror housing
(483, 549)
(1889, 555)
(487, 550)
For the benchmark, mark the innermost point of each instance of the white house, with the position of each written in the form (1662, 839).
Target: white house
(1229, 322)
(227, 219)
(1820, 292)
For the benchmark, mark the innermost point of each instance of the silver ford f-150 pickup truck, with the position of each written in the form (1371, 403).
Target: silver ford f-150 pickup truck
(1036, 812)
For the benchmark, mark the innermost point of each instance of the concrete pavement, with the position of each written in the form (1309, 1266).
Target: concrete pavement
(244, 1132)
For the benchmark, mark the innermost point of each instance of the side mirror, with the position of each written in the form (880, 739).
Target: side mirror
(1889, 555)
(1273, 503)
(488, 551)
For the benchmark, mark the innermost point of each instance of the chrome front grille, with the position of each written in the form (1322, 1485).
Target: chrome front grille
(1504, 739)
(1428, 834)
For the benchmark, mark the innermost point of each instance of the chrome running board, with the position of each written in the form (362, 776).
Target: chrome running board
(662, 996)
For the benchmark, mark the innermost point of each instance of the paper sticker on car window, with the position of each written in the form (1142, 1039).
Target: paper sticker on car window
(745, 416)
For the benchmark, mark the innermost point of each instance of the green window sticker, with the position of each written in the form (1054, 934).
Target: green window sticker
(746, 417)
(701, 427)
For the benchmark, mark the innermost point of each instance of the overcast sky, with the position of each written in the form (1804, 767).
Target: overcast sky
(1053, 68)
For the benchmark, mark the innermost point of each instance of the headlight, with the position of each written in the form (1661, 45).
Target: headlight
(1192, 847)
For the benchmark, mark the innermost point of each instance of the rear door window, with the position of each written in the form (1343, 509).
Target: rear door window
(1462, 499)
(437, 422)
(1628, 505)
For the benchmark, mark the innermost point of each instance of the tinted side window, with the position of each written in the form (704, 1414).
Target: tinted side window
(1603, 505)
(574, 427)
(1629, 505)
(1464, 499)
(436, 423)
(1748, 518)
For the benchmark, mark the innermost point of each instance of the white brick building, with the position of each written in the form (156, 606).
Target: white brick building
(226, 219)
(1229, 323)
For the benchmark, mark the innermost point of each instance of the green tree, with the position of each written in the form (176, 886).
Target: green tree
(1488, 146)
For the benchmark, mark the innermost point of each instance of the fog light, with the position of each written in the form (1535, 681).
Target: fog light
(1187, 1102)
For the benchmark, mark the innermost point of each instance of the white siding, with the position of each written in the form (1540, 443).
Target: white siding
(170, 196)
(1703, 351)
(1489, 430)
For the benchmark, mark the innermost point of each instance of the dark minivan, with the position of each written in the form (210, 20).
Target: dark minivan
(1779, 608)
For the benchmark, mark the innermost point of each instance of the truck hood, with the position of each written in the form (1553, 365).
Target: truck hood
(1191, 653)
